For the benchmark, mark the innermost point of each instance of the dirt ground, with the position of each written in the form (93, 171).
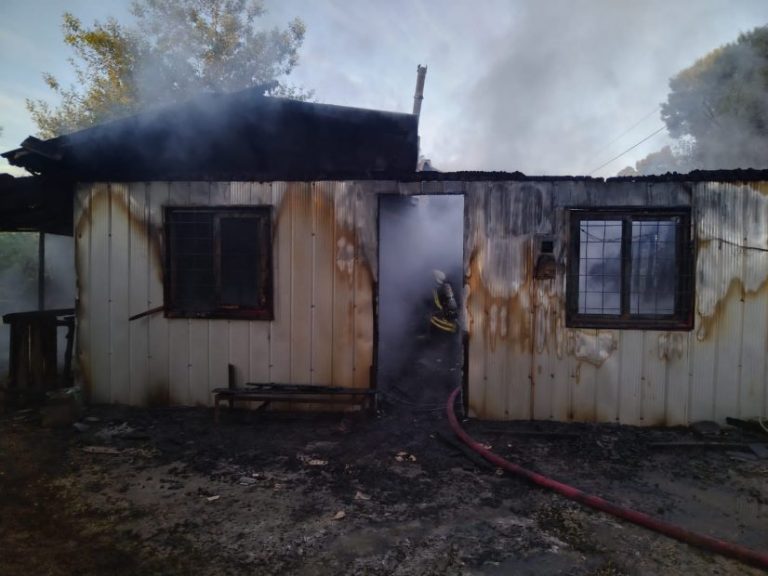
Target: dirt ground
(169, 492)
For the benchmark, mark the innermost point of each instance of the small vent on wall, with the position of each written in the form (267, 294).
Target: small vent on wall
(546, 266)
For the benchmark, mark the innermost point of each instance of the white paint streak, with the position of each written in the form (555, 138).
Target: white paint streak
(594, 347)
(732, 230)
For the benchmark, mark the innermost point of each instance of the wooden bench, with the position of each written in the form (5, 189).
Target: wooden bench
(306, 393)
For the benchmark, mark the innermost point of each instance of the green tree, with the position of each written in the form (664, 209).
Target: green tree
(676, 158)
(719, 104)
(173, 50)
(18, 270)
(106, 60)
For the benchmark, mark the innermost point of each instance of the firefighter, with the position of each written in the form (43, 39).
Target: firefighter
(445, 311)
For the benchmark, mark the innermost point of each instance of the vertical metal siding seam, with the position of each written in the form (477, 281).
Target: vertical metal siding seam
(697, 409)
(486, 312)
(504, 364)
(229, 355)
(168, 330)
(533, 288)
(689, 382)
(689, 411)
(227, 201)
(716, 233)
(595, 385)
(464, 307)
(208, 384)
(650, 201)
(665, 421)
(490, 364)
(541, 359)
(355, 265)
(723, 339)
(335, 189)
(88, 288)
(476, 337)
(312, 279)
(480, 207)
(481, 200)
(764, 407)
(292, 213)
(109, 291)
(148, 229)
(128, 215)
(694, 231)
(189, 324)
(148, 225)
(81, 266)
(274, 276)
(619, 372)
(643, 379)
(572, 363)
(742, 302)
(467, 295)
(249, 188)
(148, 232)
(168, 324)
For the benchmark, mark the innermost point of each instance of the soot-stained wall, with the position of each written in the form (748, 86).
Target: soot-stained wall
(525, 363)
(523, 360)
(322, 332)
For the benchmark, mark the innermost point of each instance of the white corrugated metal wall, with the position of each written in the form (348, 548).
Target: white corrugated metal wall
(323, 327)
(523, 361)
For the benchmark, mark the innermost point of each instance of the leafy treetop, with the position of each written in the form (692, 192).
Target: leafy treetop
(175, 48)
(720, 105)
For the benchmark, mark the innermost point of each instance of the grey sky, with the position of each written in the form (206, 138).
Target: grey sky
(536, 86)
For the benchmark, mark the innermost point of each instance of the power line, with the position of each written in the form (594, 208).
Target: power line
(627, 131)
(651, 135)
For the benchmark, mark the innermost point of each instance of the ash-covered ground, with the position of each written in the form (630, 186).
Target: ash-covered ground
(169, 492)
(144, 492)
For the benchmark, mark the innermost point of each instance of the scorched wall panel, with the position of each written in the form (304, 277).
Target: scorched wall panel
(523, 360)
(322, 332)
(525, 363)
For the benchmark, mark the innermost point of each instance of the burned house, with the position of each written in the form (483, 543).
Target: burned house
(244, 231)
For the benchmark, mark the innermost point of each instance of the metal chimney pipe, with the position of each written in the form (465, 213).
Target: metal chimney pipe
(421, 73)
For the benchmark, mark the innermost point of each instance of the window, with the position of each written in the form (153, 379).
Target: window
(630, 269)
(219, 262)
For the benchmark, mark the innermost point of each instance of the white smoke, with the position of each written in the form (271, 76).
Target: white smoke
(417, 234)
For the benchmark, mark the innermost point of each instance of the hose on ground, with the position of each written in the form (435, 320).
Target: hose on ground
(742, 553)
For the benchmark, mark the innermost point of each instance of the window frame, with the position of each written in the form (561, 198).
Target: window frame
(264, 215)
(681, 319)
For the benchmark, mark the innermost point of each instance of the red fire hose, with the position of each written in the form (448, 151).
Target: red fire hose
(741, 553)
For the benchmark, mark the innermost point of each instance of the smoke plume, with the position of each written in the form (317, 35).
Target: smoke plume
(417, 235)
(569, 76)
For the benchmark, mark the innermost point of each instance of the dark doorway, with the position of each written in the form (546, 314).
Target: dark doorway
(419, 360)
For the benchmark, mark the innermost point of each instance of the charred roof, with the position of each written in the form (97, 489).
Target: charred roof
(35, 204)
(735, 175)
(246, 133)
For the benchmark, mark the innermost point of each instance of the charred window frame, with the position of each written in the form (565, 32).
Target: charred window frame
(219, 262)
(630, 269)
